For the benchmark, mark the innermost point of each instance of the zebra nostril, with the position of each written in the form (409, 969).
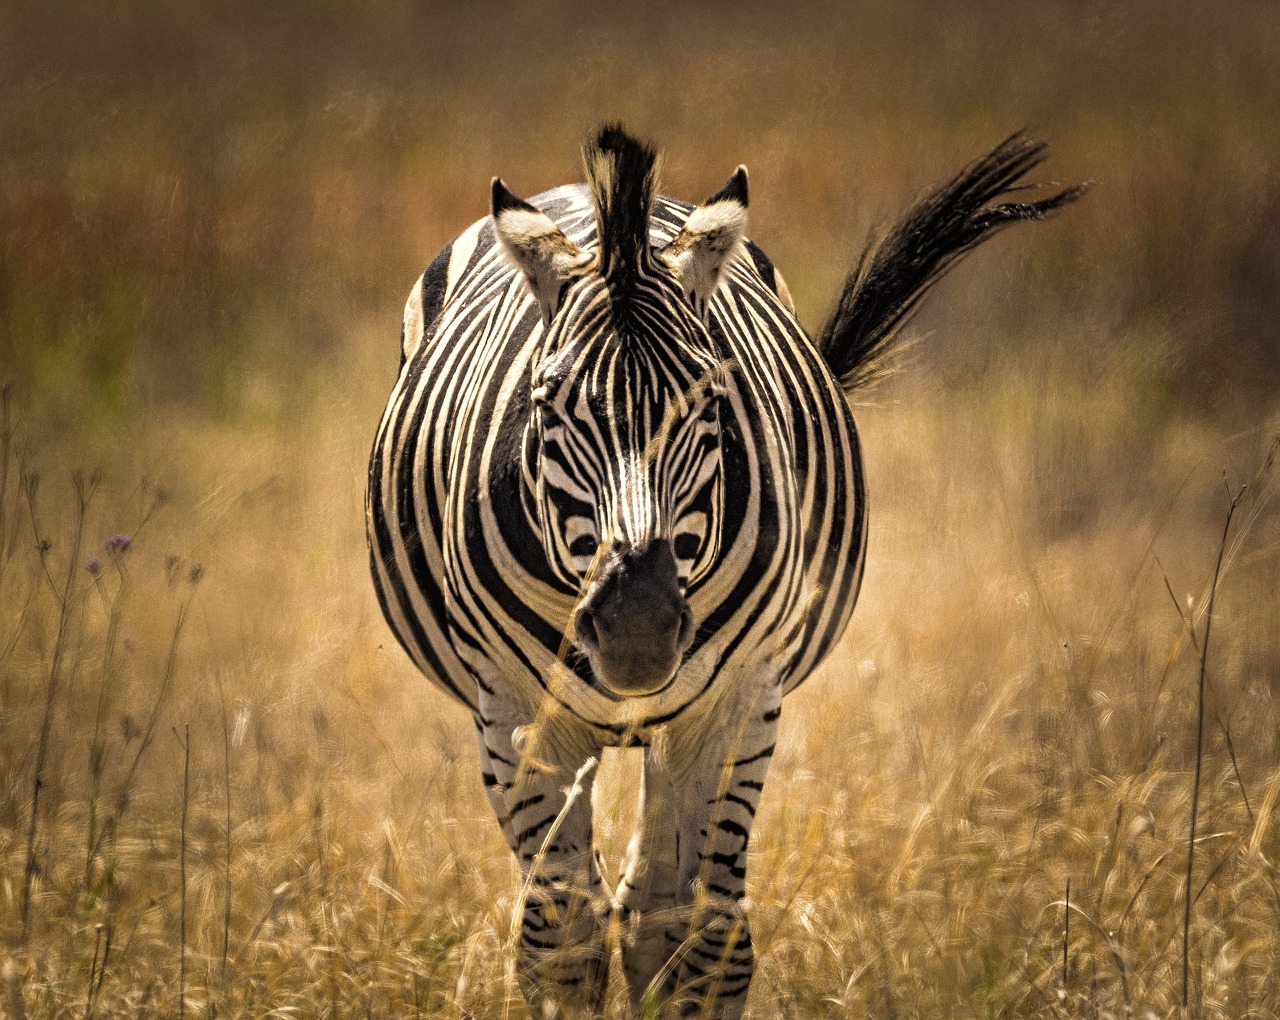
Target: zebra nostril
(585, 629)
(687, 630)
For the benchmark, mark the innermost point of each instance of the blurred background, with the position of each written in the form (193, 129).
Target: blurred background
(222, 783)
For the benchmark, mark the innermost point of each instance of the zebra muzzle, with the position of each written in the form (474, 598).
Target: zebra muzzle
(634, 623)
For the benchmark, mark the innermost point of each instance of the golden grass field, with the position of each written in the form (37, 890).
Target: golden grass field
(246, 801)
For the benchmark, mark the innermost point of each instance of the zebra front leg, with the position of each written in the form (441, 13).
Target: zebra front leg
(546, 819)
(687, 939)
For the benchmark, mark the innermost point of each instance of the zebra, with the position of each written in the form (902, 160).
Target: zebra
(617, 499)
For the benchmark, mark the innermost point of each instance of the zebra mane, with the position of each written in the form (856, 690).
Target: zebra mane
(622, 173)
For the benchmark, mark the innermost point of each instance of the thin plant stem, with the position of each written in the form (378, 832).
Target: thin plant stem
(93, 971)
(84, 494)
(1195, 783)
(148, 731)
(95, 983)
(98, 746)
(1109, 941)
(1231, 752)
(226, 782)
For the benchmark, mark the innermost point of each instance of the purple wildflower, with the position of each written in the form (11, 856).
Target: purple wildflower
(94, 566)
(118, 543)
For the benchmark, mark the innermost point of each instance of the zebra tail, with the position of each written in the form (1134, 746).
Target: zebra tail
(893, 275)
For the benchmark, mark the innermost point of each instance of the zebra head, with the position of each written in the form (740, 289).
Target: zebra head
(623, 444)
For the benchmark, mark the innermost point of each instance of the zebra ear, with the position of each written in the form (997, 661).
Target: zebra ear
(536, 246)
(709, 240)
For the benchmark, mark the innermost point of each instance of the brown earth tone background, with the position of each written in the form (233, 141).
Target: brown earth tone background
(209, 223)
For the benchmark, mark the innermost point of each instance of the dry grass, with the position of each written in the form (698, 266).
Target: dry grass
(207, 230)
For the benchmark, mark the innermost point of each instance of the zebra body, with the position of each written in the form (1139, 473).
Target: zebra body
(448, 466)
(616, 499)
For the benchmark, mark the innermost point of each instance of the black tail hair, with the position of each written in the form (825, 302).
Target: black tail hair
(893, 276)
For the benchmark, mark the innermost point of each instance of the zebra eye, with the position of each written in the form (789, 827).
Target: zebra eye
(685, 546)
(583, 545)
(548, 416)
(580, 540)
(711, 412)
